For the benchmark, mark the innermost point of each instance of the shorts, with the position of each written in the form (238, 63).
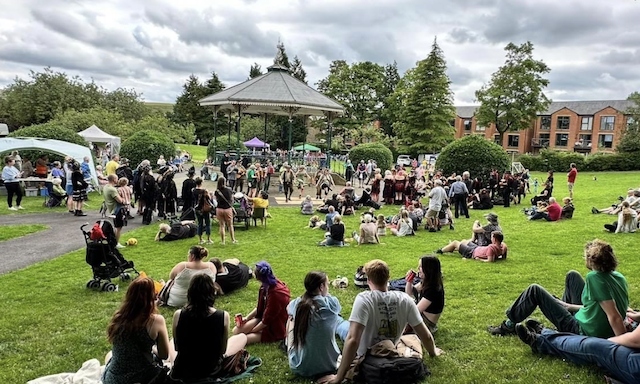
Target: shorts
(466, 250)
(432, 213)
(69, 189)
(570, 185)
(224, 215)
(119, 220)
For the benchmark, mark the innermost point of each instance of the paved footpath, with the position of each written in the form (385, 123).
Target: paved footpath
(63, 236)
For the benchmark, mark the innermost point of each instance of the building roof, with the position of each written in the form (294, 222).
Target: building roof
(276, 92)
(588, 107)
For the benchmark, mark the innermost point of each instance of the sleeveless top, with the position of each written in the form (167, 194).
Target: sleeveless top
(199, 346)
(178, 292)
(132, 361)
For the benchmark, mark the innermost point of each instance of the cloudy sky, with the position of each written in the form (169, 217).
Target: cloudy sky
(592, 46)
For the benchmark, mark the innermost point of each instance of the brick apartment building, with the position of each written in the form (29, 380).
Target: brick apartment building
(579, 126)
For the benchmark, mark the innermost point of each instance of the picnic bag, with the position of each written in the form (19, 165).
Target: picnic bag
(360, 278)
(387, 363)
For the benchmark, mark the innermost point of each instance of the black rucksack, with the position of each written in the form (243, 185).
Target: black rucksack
(387, 370)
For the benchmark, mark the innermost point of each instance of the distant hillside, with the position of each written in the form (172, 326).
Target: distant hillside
(160, 107)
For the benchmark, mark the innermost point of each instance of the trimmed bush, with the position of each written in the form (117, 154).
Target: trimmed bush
(147, 145)
(50, 131)
(474, 154)
(374, 151)
(599, 162)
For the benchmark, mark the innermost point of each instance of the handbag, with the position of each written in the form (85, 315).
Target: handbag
(163, 295)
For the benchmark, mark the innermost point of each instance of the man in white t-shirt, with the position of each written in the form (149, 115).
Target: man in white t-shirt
(380, 314)
(437, 196)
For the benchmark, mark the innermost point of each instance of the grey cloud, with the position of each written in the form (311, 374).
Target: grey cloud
(620, 57)
(142, 37)
(550, 24)
(458, 74)
(462, 35)
(236, 35)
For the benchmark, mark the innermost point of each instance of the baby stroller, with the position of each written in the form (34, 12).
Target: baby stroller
(105, 259)
(243, 208)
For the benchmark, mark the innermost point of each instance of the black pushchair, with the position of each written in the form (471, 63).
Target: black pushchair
(105, 259)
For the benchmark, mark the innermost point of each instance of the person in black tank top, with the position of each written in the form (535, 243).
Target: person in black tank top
(200, 334)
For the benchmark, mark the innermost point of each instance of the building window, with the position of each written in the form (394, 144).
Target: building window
(467, 125)
(453, 123)
(545, 122)
(584, 141)
(496, 139)
(605, 141)
(587, 123)
(513, 140)
(607, 122)
(562, 139)
(480, 128)
(563, 122)
(631, 122)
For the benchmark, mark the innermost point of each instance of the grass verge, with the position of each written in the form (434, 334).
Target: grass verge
(8, 232)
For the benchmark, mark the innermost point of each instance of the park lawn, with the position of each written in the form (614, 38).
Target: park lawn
(198, 152)
(36, 205)
(8, 232)
(53, 323)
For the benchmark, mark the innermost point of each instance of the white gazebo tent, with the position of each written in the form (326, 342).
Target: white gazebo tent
(94, 134)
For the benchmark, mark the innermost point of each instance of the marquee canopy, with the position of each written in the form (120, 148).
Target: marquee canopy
(78, 152)
(94, 134)
(256, 143)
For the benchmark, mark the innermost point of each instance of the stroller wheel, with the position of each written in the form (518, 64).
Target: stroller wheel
(125, 277)
(109, 287)
(93, 284)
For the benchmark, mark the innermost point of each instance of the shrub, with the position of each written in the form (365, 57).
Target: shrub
(50, 131)
(474, 154)
(374, 151)
(147, 145)
(531, 162)
(560, 161)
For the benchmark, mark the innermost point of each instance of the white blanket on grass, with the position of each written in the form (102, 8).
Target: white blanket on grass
(89, 373)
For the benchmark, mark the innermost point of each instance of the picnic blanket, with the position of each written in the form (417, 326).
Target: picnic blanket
(89, 373)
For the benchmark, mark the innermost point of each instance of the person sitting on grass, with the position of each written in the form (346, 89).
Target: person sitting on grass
(336, 233)
(314, 321)
(481, 235)
(497, 250)
(618, 356)
(549, 212)
(567, 208)
(183, 272)
(306, 206)
(429, 291)
(267, 322)
(368, 232)
(627, 220)
(404, 227)
(200, 334)
(594, 306)
(379, 314)
(177, 231)
(139, 337)
(633, 198)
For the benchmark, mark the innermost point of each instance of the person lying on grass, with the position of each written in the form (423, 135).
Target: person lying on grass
(469, 250)
(372, 313)
(267, 322)
(618, 356)
(179, 230)
(314, 321)
(595, 306)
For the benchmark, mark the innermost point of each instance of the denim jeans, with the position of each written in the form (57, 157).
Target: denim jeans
(620, 362)
(540, 215)
(204, 223)
(537, 297)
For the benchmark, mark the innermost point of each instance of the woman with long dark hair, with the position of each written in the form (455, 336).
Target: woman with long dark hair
(224, 210)
(135, 329)
(267, 322)
(314, 321)
(429, 291)
(200, 334)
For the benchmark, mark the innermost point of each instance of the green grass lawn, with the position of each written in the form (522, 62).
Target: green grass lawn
(51, 323)
(8, 232)
(198, 152)
(35, 205)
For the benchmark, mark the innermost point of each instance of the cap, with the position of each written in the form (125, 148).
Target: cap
(492, 217)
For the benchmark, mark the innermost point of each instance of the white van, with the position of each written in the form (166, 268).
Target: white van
(4, 129)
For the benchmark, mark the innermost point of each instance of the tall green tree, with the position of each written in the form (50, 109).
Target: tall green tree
(391, 81)
(630, 142)
(425, 105)
(515, 94)
(297, 71)
(255, 71)
(187, 110)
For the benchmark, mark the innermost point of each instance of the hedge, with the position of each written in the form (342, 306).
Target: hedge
(474, 154)
(560, 161)
(372, 151)
(50, 131)
(147, 145)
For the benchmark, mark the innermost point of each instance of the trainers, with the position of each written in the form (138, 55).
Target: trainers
(120, 246)
(451, 227)
(20, 207)
(234, 242)
(201, 242)
(501, 330)
(594, 210)
(528, 336)
(13, 208)
(439, 251)
(534, 325)
(209, 241)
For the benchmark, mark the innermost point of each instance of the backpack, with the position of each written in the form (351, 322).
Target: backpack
(386, 370)
(360, 278)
